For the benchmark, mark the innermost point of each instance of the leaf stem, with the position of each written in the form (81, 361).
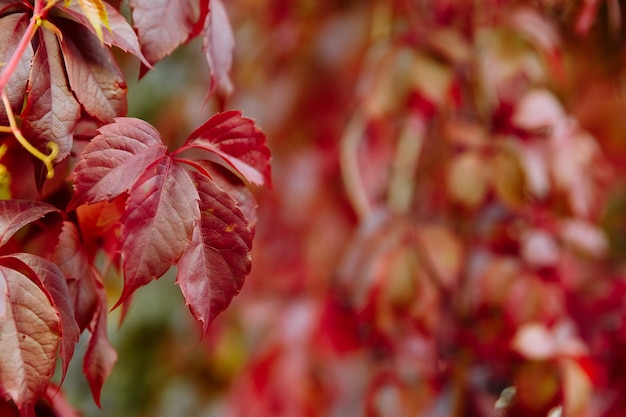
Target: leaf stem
(46, 159)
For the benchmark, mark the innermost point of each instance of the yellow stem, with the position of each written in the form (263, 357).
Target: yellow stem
(46, 159)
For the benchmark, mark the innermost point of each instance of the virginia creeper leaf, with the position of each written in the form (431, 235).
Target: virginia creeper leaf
(15, 214)
(163, 25)
(12, 28)
(51, 110)
(119, 33)
(212, 269)
(95, 78)
(80, 275)
(100, 355)
(96, 14)
(29, 338)
(218, 45)
(238, 142)
(54, 282)
(157, 225)
(114, 159)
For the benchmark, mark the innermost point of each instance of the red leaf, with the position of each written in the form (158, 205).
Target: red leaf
(238, 142)
(53, 281)
(94, 77)
(81, 277)
(114, 159)
(30, 333)
(157, 225)
(218, 44)
(15, 214)
(213, 268)
(100, 355)
(12, 28)
(121, 34)
(163, 25)
(51, 110)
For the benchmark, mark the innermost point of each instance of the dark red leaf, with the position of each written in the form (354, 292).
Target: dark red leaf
(12, 28)
(121, 34)
(163, 25)
(114, 159)
(15, 214)
(30, 332)
(218, 44)
(51, 110)
(81, 277)
(94, 77)
(238, 142)
(54, 282)
(213, 268)
(161, 211)
(100, 355)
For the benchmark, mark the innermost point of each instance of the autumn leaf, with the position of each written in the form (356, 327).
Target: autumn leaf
(15, 214)
(238, 142)
(96, 13)
(218, 45)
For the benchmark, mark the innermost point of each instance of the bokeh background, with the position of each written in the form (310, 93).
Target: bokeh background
(446, 223)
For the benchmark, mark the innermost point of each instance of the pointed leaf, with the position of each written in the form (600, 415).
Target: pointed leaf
(96, 14)
(29, 337)
(54, 282)
(51, 110)
(213, 268)
(80, 276)
(100, 355)
(238, 142)
(95, 78)
(163, 25)
(119, 33)
(157, 225)
(114, 159)
(218, 45)
(15, 214)
(12, 28)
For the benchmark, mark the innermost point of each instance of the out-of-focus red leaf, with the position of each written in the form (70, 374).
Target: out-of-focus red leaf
(59, 403)
(121, 34)
(114, 159)
(12, 28)
(30, 332)
(80, 275)
(161, 212)
(163, 25)
(218, 44)
(51, 110)
(94, 77)
(212, 269)
(238, 142)
(14, 214)
(100, 355)
(99, 224)
(54, 282)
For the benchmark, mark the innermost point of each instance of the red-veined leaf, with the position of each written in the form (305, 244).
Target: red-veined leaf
(114, 159)
(100, 355)
(157, 225)
(54, 282)
(30, 334)
(94, 77)
(15, 214)
(81, 277)
(121, 34)
(238, 142)
(218, 45)
(163, 25)
(51, 110)
(212, 269)
(12, 28)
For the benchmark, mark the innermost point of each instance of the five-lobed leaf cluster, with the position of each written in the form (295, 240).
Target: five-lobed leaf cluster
(147, 208)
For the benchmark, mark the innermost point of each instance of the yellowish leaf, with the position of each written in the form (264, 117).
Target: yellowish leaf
(95, 11)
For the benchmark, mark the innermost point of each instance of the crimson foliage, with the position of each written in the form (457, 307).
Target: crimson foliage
(126, 197)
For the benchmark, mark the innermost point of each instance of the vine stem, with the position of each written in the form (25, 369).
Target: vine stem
(13, 128)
